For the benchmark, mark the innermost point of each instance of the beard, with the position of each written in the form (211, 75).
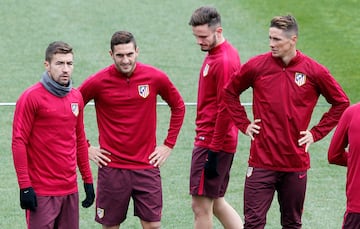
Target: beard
(210, 46)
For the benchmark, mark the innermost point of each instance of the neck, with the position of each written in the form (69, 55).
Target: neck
(287, 58)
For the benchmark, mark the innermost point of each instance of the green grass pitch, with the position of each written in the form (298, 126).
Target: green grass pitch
(329, 32)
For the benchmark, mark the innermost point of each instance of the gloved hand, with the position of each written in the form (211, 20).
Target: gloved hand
(28, 199)
(211, 165)
(90, 195)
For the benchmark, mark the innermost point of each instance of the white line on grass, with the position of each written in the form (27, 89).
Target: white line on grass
(159, 104)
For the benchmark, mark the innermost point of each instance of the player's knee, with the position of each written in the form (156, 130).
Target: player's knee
(151, 225)
(201, 209)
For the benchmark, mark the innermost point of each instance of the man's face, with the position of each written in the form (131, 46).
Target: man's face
(124, 56)
(206, 36)
(281, 44)
(60, 68)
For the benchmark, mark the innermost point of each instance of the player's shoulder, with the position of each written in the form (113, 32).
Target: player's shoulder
(33, 90)
(150, 70)
(103, 72)
(76, 92)
(354, 108)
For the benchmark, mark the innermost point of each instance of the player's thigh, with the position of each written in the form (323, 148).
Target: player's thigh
(114, 189)
(202, 186)
(69, 215)
(46, 213)
(291, 190)
(258, 193)
(147, 194)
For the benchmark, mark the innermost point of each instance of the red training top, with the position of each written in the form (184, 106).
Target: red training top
(284, 98)
(345, 150)
(49, 140)
(214, 127)
(126, 112)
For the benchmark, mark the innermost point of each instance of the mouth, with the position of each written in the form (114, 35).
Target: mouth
(273, 51)
(126, 66)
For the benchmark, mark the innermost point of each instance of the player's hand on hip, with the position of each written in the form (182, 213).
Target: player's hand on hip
(28, 199)
(99, 156)
(253, 129)
(159, 156)
(307, 139)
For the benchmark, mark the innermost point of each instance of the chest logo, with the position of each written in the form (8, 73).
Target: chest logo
(300, 79)
(206, 70)
(144, 90)
(75, 109)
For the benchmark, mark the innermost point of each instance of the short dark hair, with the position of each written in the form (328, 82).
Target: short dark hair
(205, 15)
(287, 23)
(57, 47)
(122, 37)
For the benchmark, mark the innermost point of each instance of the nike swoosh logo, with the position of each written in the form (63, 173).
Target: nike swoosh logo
(301, 176)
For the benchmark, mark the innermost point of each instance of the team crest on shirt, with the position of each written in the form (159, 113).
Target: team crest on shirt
(100, 212)
(300, 79)
(206, 70)
(249, 171)
(144, 90)
(75, 109)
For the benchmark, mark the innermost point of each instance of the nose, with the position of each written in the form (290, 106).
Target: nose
(125, 60)
(66, 68)
(198, 40)
(271, 43)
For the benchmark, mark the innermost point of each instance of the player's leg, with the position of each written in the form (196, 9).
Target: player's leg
(202, 202)
(203, 212)
(46, 212)
(150, 225)
(111, 227)
(147, 196)
(69, 215)
(291, 196)
(258, 194)
(226, 214)
(114, 188)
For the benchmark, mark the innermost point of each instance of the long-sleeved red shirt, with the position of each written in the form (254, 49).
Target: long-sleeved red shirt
(126, 112)
(284, 98)
(214, 127)
(49, 141)
(344, 150)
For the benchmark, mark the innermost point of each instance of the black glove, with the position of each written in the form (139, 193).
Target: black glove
(211, 165)
(90, 195)
(28, 199)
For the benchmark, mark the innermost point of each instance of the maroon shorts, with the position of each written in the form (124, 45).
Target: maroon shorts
(260, 186)
(351, 220)
(60, 212)
(115, 187)
(212, 188)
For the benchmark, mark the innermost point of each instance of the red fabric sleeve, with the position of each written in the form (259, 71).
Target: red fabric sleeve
(172, 97)
(335, 96)
(23, 119)
(82, 148)
(337, 153)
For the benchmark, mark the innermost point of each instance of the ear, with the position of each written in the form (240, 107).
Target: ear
(219, 29)
(111, 53)
(47, 65)
(218, 32)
